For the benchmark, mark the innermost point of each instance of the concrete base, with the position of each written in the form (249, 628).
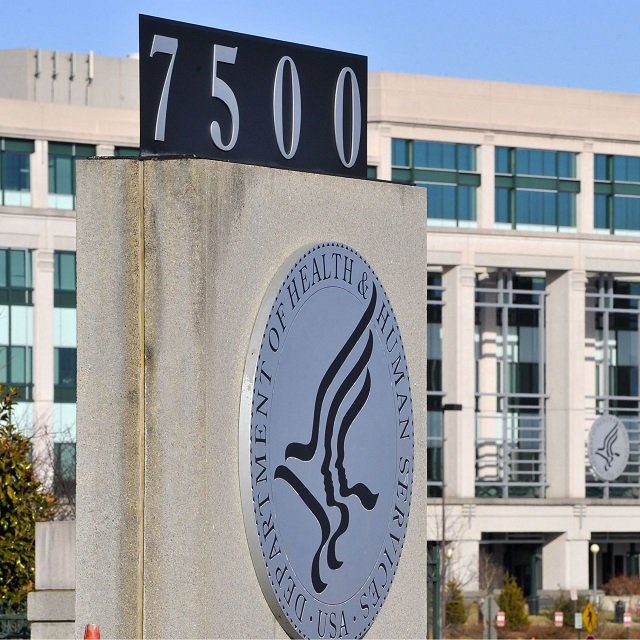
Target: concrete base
(174, 258)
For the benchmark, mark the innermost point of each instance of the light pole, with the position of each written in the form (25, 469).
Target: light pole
(595, 549)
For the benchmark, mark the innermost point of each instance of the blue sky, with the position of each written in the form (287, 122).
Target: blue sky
(577, 43)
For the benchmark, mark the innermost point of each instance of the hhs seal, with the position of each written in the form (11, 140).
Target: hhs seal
(326, 451)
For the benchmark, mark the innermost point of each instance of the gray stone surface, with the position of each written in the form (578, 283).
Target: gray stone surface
(108, 522)
(51, 606)
(55, 555)
(52, 631)
(215, 234)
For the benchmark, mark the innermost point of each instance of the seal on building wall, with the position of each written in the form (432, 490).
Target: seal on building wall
(608, 447)
(326, 444)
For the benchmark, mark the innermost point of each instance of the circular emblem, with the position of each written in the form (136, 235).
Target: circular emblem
(326, 444)
(608, 447)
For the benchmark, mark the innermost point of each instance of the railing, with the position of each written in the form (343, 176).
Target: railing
(13, 622)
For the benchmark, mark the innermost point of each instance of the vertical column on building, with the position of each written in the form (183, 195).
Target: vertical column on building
(487, 200)
(466, 563)
(565, 337)
(487, 404)
(586, 210)
(384, 149)
(565, 563)
(458, 380)
(39, 175)
(104, 150)
(43, 363)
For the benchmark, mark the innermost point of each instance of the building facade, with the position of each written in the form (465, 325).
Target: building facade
(54, 108)
(533, 286)
(533, 214)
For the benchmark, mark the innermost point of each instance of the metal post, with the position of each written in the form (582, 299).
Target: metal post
(436, 593)
(594, 548)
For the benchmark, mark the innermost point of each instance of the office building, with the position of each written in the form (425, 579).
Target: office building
(533, 222)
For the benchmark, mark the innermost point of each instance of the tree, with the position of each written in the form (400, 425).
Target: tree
(511, 601)
(22, 504)
(455, 612)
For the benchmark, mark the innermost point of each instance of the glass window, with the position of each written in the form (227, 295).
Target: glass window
(510, 386)
(538, 198)
(15, 181)
(600, 168)
(126, 152)
(502, 160)
(399, 153)
(502, 205)
(64, 271)
(62, 157)
(612, 324)
(439, 166)
(617, 193)
(434, 384)
(65, 367)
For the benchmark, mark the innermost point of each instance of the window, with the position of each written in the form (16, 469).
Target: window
(448, 172)
(372, 172)
(617, 194)
(612, 311)
(64, 314)
(434, 384)
(65, 373)
(126, 152)
(510, 386)
(62, 174)
(535, 189)
(15, 184)
(16, 321)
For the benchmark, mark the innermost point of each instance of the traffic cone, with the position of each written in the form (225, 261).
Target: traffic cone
(92, 632)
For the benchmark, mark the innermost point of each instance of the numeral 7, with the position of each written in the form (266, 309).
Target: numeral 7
(164, 44)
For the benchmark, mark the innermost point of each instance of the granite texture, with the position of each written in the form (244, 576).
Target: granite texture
(51, 606)
(215, 234)
(108, 443)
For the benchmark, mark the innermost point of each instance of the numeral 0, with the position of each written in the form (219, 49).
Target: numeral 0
(222, 91)
(296, 116)
(338, 117)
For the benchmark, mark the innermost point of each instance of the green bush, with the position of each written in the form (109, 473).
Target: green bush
(568, 607)
(22, 503)
(454, 608)
(511, 601)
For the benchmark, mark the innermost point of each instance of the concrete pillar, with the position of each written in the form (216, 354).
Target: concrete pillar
(105, 150)
(565, 564)
(384, 146)
(585, 199)
(458, 380)
(161, 543)
(465, 564)
(565, 341)
(43, 374)
(487, 405)
(39, 175)
(487, 189)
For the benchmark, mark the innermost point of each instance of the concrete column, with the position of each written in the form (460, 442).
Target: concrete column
(103, 150)
(384, 145)
(487, 190)
(565, 564)
(458, 380)
(43, 375)
(465, 564)
(488, 381)
(585, 199)
(39, 175)
(565, 334)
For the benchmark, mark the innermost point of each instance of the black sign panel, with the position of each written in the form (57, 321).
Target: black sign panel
(218, 94)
